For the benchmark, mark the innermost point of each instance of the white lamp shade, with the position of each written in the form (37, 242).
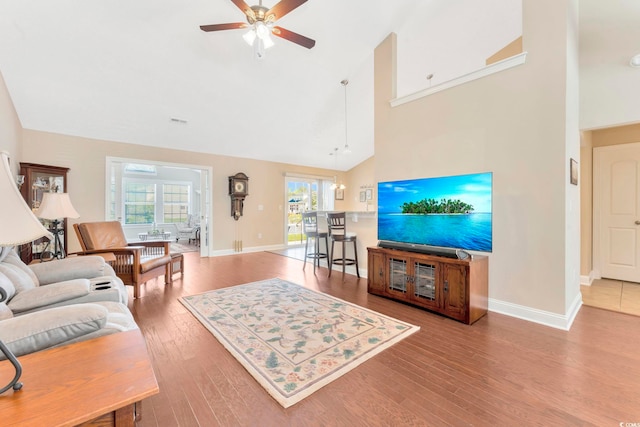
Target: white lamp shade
(19, 224)
(55, 206)
(250, 36)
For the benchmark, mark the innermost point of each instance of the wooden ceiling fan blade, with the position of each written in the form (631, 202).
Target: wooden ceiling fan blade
(245, 9)
(282, 8)
(293, 37)
(220, 27)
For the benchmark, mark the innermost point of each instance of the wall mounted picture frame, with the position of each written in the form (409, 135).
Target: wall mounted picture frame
(363, 196)
(339, 194)
(369, 195)
(573, 172)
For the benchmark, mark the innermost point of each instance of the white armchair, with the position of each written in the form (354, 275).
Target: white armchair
(188, 230)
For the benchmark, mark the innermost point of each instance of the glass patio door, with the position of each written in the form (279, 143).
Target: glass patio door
(304, 194)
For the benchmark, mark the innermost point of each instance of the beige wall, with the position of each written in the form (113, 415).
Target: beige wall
(86, 160)
(513, 124)
(359, 179)
(10, 127)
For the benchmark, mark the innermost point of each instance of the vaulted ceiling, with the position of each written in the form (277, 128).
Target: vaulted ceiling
(143, 72)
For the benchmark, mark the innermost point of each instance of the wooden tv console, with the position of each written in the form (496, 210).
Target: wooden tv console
(91, 383)
(453, 287)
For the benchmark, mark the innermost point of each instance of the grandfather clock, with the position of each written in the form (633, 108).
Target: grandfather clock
(238, 190)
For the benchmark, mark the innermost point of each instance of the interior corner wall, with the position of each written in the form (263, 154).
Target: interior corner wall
(513, 124)
(10, 127)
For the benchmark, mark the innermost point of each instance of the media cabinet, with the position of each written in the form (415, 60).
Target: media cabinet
(456, 288)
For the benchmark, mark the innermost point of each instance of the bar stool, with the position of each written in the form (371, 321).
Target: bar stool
(337, 224)
(310, 229)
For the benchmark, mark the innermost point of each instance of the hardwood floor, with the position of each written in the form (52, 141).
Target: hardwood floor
(500, 371)
(615, 295)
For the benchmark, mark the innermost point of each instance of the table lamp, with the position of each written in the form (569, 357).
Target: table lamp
(20, 226)
(55, 206)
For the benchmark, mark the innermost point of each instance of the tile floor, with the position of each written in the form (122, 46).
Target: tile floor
(614, 295)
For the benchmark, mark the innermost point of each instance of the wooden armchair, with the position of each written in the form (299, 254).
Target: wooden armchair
(135, 263)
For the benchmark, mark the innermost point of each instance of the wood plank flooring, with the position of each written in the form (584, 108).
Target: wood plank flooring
(501, 371)
(615, 295)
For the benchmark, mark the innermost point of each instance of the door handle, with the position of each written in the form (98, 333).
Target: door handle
(637, 222)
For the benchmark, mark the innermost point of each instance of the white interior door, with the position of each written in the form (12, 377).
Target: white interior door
(617, 211)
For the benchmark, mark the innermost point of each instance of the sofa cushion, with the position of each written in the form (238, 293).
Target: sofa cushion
(37, 331)
(7, 290)
(5, 312)
(43, 296)
(18, 273)
(119, 319)
(69, 268)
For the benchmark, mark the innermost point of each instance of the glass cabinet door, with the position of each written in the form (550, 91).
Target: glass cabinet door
(40, 179)
(397, 275)
(424, 280)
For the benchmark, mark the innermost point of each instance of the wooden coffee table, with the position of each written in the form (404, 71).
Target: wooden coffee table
(96, 382)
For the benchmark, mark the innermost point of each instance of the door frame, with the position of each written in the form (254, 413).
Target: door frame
(597, 202)
(324, 202)
(206, 176)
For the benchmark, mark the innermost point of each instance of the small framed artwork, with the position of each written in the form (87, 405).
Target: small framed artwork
(363, 197)
(369, 194)
(339, 194)
(573, 172)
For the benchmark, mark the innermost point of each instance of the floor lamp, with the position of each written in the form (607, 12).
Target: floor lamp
(55, 206)
(20, 226)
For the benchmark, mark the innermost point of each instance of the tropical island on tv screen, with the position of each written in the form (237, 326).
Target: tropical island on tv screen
(452, 211)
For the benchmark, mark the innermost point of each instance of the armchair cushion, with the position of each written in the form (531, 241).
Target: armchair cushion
(101, 235)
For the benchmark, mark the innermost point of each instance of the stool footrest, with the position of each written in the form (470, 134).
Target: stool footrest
(345, 261)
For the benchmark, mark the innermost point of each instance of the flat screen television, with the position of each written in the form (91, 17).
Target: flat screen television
(448, 212)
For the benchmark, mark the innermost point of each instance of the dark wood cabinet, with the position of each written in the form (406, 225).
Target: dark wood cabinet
(39, 179)
(453, 287)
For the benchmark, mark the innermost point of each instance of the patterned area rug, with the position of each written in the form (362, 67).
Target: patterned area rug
(291, 339)
(181, 248)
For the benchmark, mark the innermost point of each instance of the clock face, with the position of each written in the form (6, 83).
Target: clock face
(239, 187)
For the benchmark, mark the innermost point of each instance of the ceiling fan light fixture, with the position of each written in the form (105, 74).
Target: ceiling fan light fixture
(250, 37)
(262, 31)
(268, 41)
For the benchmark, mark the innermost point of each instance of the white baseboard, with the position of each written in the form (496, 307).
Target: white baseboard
(542, 317)
(588, 280)
(225, 252)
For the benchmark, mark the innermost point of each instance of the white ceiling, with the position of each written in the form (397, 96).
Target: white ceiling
(120, 70)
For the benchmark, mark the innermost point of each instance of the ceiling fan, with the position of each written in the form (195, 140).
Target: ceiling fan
(261, 25)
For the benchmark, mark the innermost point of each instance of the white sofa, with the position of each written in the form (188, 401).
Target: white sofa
(59, 302)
